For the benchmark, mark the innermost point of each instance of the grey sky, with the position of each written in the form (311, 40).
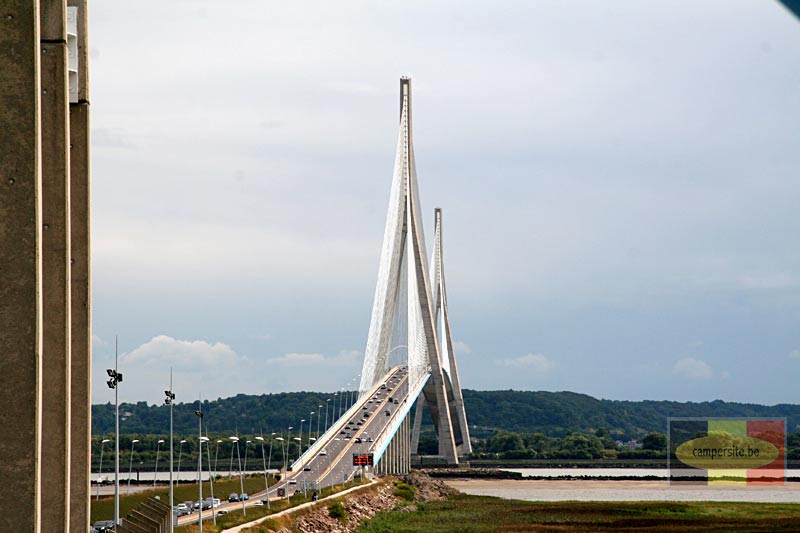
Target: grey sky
(619, 183)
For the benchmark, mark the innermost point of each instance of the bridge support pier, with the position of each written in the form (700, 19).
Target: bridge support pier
(42, 142)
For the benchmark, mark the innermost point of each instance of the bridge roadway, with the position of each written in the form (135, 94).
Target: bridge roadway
(315, 469)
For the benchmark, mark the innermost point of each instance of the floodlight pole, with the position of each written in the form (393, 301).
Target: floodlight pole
(199, 414)
(170, 399)
(116, 443)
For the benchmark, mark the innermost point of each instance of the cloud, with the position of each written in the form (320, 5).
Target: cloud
(535, 362)
(794, 354)
(691, 368)
(350, 87)
(343, 358)
(98, 342)
(185, 354)
(461, 347)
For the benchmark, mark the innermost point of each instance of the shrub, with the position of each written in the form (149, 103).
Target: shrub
(404, 491)
(337, 511)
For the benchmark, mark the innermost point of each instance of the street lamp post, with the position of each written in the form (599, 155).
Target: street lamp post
(158, 450)
(130, 466)
(180, 456)
(216, 456)
(169, 400)
(100, 473)
(269, 461)
(264, 460)
(199, 414)
(286, 455)
(300, 450)
(310, 425)
(280, 439)
(210, 475)
(245, 454)
(241, 475)
(319, 417)
(327, 403)
(113, 383)
(303, 475)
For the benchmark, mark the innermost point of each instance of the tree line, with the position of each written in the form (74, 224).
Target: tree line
(553, 414)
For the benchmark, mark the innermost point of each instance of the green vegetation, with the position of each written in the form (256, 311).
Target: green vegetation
(404, 491)
(597, 445)
(473, 514)
(337, 511)
(551, 413)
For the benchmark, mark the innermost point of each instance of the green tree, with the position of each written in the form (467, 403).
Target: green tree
(654, 441)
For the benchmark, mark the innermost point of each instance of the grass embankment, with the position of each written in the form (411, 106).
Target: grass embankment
(103, 509)
(235, 518)
(472, 514)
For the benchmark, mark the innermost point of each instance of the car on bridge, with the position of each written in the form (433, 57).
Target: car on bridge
(234, 497)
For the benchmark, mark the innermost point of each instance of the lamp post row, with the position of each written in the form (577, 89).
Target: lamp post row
(113, 383)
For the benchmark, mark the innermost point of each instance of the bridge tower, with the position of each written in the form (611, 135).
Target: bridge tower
(452, 382)
(409, 299)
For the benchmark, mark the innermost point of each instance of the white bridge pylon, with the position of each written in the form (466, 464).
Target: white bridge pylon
(409, 323)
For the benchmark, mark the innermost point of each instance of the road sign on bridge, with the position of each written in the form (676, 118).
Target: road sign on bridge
(363, 459)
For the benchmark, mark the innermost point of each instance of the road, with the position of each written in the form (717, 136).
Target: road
(335, 466)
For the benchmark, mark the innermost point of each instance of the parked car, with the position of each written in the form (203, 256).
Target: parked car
(234, 497)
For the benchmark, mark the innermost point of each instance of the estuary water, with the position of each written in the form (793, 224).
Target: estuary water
(554, 489)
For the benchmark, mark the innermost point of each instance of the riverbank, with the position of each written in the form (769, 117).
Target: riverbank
(478, 514)
(554, 490)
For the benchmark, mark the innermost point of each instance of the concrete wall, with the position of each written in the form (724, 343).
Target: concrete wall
(42, 142)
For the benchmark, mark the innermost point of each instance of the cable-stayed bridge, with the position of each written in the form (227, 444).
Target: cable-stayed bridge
(409, 361)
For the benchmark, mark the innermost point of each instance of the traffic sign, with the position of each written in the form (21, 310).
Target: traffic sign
(363, 459)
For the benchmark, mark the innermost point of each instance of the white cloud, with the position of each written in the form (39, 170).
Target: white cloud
(98, 342)
(343, 358)
(461, 347)
(691, 368)
(185, 354)
(535, 362)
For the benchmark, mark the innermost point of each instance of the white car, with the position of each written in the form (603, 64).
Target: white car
(323, 452)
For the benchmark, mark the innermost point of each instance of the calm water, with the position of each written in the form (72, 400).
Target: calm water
(595, 490)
